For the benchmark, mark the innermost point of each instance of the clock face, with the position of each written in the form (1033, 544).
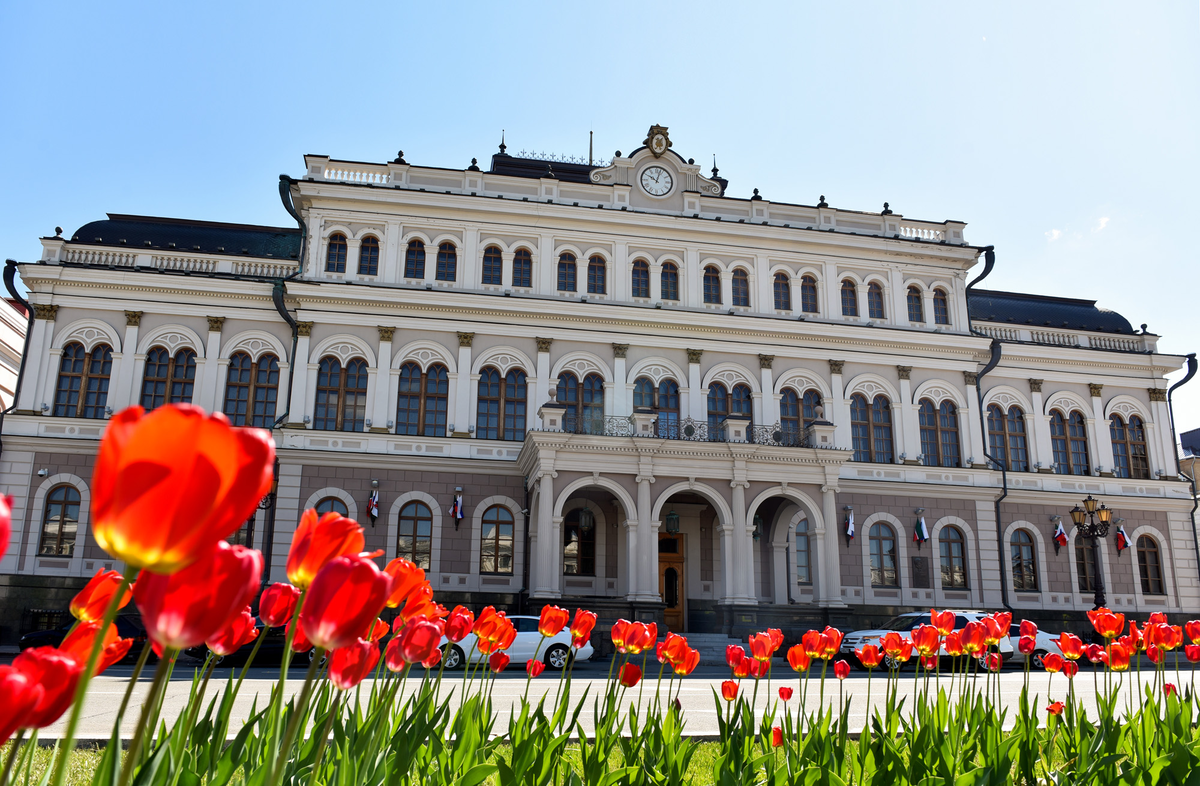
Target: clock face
(656, 181)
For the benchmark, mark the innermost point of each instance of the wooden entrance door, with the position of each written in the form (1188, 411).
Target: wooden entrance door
(671, 581)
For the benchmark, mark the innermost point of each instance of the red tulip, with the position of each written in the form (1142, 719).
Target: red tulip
(534, 667)
(686, 664)
(407, 579)
(785, 694)
(1158, 618)
(660, 652)
(776, 736)
(169, 485)
(1118, 657)
(1169, 689)
(630, 675)
(300, 642)
(6, 503)
(758, 668)
(993, 661)
(1028, 628)
(729, 690)
(926, 640)
(420, 603)
(277, 605)
(498, 662)
(238, 632)
(183, 609)
(993, 630)
(1106, 623)
(341, 605)
(1026, 645)
(943, 621)
(581, 628)
(760, 646)
(1155, 655)
(1053, 663)
(1193, 630)
(891, 643)
(906, 651)
(832, 641)
(954, 646)
(433, 660)
(19, 695)
(350, 664)
(930, 662)
(617, 634)
(78, 644)
(91, 602)
(498, 633)
(841, 669)
(318, 541)
(974, 638)
(1071, 645)
(744, 669)
(553, 620)
(813, 646)
(1192, 653)
(675, 647)
(734, 655)
(459, 623)
(1135, 640)
(797, 658)
(776, 636)
(415, 643)
(640, 637)
(1070, 669)
(379, 629)
(869, 656)
(1004, 619)
(1056, 708)
(1093, 652)
(57, 673)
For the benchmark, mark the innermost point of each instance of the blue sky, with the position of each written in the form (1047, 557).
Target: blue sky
(1064, 133)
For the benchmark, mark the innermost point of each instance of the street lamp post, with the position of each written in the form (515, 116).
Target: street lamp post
(1091, 521)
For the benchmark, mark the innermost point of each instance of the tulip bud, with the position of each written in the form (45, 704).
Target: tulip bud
(729, 690)
(785, 694)
(498, 662)
(91, 602)
(841, 669)
(630, 675)
(277, 605)
(776, 736)
(534, 667)
(19, 695)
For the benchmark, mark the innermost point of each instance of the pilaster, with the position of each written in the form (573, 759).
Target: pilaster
(1041, 428)
(841, 407)
(971, 380)
(383, 375)
(462, 392)
(212, 352)
(298, 408)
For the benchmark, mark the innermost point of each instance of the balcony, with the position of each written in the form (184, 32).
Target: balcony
(732, 430)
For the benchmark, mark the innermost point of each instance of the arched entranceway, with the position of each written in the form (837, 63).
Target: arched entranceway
(787, 549)
(591, 519)
(688, 563)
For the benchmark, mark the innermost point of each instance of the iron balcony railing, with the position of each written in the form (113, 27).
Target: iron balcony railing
(686, 429)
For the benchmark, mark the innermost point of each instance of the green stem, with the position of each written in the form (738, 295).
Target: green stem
(135, 746)
(294, 724)
(237, 686)
(312, 780)
(12, 756)
(133, 678)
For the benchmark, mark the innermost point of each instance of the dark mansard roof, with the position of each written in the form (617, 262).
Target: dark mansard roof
(504, 164)
(1043, 311)
(209, 237)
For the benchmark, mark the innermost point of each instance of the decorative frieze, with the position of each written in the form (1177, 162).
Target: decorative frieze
(133, 318)
(304, 328)
(835, 366)
(215, 324)
(904, 372)
(694, 355)
(765, 361)
(543, 344)
(1035, 386)
(386, 333)
(620, 350)
(1157, 394)
(971, 378)
(1096, 389)
(45, 312)
(465, 339)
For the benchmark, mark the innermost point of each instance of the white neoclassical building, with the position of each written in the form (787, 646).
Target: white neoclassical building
(652, 398)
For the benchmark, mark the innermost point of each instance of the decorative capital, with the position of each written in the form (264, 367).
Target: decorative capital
(1035, 386)
(386, 333)
(1157, 394)
(620, 350)
(905, 372)
(835, 366)
(1096, 389)
(465, 339)
(45, 312)
(133, 318)
(304, 328)
(215, 324)
(971, 378)
(543, 344)
(765, 361)
(694, 355)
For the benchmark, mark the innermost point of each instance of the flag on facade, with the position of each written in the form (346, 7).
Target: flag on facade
(1060, 535)
(920, 533)
(850, 524)
(373, 505)
(456, 509)
(1122, 539)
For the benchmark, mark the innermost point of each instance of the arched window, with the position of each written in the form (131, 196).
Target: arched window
(335, 254)
(368, 256)
(849, 299)
(741, 401)
(165, 373)
(332, 505)
(496, 546)
(941, 307)
(783, 292)
(60, 522)
(643, 393)
(875, 301)
(414, 260)
(670, 281)
(718, 408)
(447, 262)
(1149, 566)
(1068, 437)
(1024, 562)
(741, 288)
(871, 428)
(1006, 437)
(883, 556)
(423, 401)
(585, 403)
(341, 395)
(916, 308)
(813, 408)
(1129, 448)
(414, 540)
(248, 381)
(493, 266)
(803, 554)
(496, 396)
(939, 434)
(566, 273)
(954, 560)
(789, 417)
(640, 278)
(1085, 565)
(668, 409)
(522, 274)
(808, 295)
(712, 285)
(82, 390)
(597, 274)
(579, 546)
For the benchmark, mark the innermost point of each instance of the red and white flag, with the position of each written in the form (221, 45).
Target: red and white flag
(456, 508)
(1060, 535)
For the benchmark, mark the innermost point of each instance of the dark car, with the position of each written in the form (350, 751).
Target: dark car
(128, 627)
(269, 654)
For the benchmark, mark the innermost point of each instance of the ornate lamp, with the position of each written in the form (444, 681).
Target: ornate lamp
(758, 523)
(587, 520)
(672, 523)
(1092, 521)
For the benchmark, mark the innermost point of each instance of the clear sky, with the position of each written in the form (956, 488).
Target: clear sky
(1065, 134)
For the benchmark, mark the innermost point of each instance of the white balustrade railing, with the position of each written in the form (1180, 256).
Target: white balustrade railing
(341, 172)
(185, 264)
(264, 269)
(1111, 342)
(1055, 339)
(921, 232)
(1002, 333)
(85, 256)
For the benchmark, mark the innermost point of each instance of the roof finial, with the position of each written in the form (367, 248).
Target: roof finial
(58, 232)
(822, 203)
(715, 170)
(503, 147)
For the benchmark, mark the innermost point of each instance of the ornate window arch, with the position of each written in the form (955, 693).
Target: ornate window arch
(584, 400)
(447, 262)
(740, 288)
(941, 307)
(849, 298)
(712, 284)
(875, 307)
(368, 256)
(414, 259)
(1068, 438)
(168, 378)
(1007, 440)
(597, 275)
(940, 446)
(325, 497)
(252, 390)
(640, 278)
(783, 292)
(916, 305)
(1130, 459)
(566, 272)
(501, 404)
(522, 271)
(493, 266)
(422, 406)
(871, 429)
(809, 300)
(669, 281)
(83, 377)
(341, 401)
(335, 253)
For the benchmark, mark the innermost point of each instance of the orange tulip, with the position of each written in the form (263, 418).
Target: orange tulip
(1106, 623)
(974, 638)
(942, 620)
(729, 690)
(1070, 644)
(168, 485)
(1028, 628)
(744, 668)
(617, 634)
(378, 631)
(1158, 618)
(993, 630)
(1053, 663)
(776, 639)
(420, 603)
(869, 656)
(581, 627)
(891, 643)
(687, 662)
(1056, 708)
(760, 646)
(954, 646)
(90, 603)
(832, 639)
(1004, 619)
(776, 737)
(811, 641)
(1193, 630)
(798, 659)
(926, 640)
(1135, 640)
(407, 579)
(675, 647)
(1118, 657)
(319, 540)
(553, 619)
(78, 644)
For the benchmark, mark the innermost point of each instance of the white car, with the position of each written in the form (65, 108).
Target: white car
(555, 651)
(906, 622)
(1044, 645)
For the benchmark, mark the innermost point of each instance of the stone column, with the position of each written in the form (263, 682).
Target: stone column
(838, 410)
(390, 263)
(833, 292)
(461, 392)
(927, 307)
(743, 554)
(545, 583)
(1158, 448)
(620, 272)
(38, 359)
(1041, 428)
(212, 352)
(975, 449)
(655, 282)
(383, 380)
(726, 289)
(619, 394)
(632, 568)
(647, 551)
(1103, 458)
(506, 268)
(899, 315)
(121, 395)
(769, 415)
(298, 409)
(692, 293)
(539, 389)
(545, 279)
(907, 412)
(468, 266)
(830, 578)
(697, 395)
(779, 569)
(764, 295)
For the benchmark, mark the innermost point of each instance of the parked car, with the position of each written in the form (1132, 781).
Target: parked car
(1044, 645)
(128, 627)
(906, 622)
(555, 651)
(269, 654)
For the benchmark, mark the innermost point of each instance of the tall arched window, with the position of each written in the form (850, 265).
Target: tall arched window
(849, 299)
(871, 428)
(941, 307)
(741, 400)
(640, 278)
(789, 417)
(423, 401)
(168, 379)
(741, 288)
(82, 390)
(712, 285)
(875, 301)
(335, 254)
(939, 434)
(496, 541)
(670, 281)
(566, 273)
(584, 401)
(1006, 437)
(1068, 437)
(954, 560)
(414, 539)
(522, 274)
(368, 256)
(60, 522)
(414, 260)
(1149, 566)
(597, 273)
(668, 409)
(643, 393)
(718, 408)
(916, 308)
(341, 395)
(331, 505)
(1085, 565)
(498, 397)
(493, 266)
(813, 408)
(803, 553)
(883, 556)
(783, 292)
(808, 295)
(579, 546)
(1129, 448)
(447, 262)
(1024, 562)
(251, 390)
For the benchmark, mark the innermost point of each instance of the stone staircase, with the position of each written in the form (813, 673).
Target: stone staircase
(711, 647)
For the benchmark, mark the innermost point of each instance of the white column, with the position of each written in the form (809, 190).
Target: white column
(547, 267)
(208, 378)
(382, 387)
(468, 260)
(927, 307)
(390, 268)
(544, 581)
(765, 293)
(779, 570)
(692, 278)
(726, 288)
(1041, 428)
(838, 410)
(622, 403)
(121, 395)
(539, 390)
(1161, 442)
(977, 436)
(39, 354)
(697, 396)
(298, 408)
(620, 272)
(830, 578)
(899, 315)
(1103, 437)
(631, 559)
(655, 282)
(907, 412)
(743, 555)
(833, 293)
(462, 393)
(770, 404)
(647, 552)
(728, 569)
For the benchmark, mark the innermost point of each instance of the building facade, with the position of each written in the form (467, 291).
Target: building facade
(613, 385)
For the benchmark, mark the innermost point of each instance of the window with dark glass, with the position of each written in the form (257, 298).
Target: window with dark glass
(812, 400)
(670, 281)
(82, 390)
(883, 556)
(566, 273)
(1129, 448)
(668, 409)
(718, 408)
(60, 522)
(341, 395)
(1085, 565)
(414, 540)
(941, 307)
(447, 262)
(783, 292)
(640, 278)
(251, 390)
(496, 546)
(1068, 437)
(165, 372)
(423, 402)
(331, 505)
(368, 256)
(643, 393)
(803, 553)
(808, 295)
(579, 546)
(741, 288)
(712, 285)
(493, 266)
(414, 260)
(849, 299)
(1149, 566)
(1024, 562)
(871, 429)
(501, 398)
(939, 434)
(954, 561)
(916, 308)
(1006, 437)
(335, 254)
(875, 301)
(596, 273)
(522, 274)
(584, 401)
(789, 414)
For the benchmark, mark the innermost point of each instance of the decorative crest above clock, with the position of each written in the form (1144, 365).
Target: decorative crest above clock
(657, 140)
